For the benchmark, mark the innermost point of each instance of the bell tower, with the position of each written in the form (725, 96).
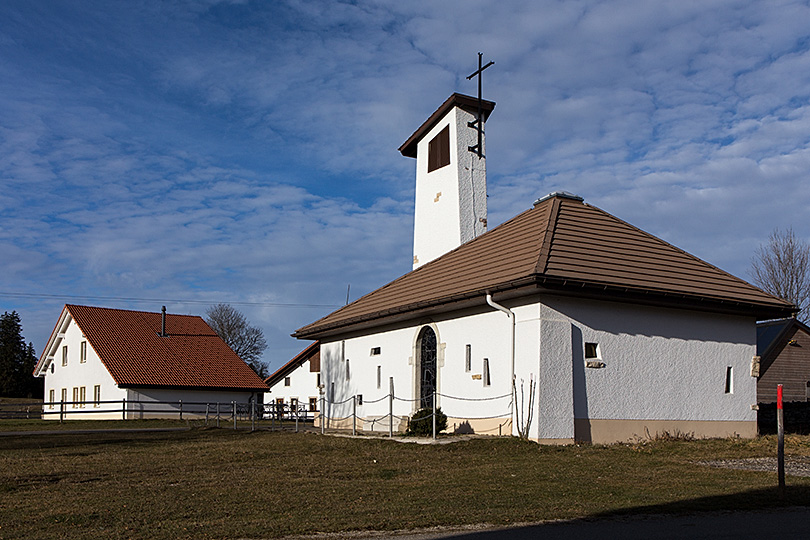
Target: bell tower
(451, 176)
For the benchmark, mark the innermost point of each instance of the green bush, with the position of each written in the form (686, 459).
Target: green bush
(421, 423)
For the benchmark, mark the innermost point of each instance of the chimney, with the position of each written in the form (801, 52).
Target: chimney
(163, 322)
(451, 178)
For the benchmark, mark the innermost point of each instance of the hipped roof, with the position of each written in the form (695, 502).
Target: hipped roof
(130, 346)
(561, 246)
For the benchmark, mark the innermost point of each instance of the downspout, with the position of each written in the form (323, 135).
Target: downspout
(511, 315)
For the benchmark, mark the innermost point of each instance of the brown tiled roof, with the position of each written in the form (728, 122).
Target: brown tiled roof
(467, 103)
(561, 246)
(191, 356)
(312, 352)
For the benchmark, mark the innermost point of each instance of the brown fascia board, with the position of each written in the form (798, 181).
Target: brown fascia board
(468, 103)
(544, 284)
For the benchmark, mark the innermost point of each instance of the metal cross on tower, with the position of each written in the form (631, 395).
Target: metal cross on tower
(478, 148)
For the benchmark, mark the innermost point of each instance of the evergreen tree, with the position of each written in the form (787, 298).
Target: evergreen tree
(17, 360)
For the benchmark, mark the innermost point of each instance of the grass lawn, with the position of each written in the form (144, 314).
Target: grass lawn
(220, 483)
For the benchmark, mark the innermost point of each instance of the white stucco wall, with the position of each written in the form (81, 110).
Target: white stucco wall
(663, 365)
(450, 202)
(303, 386)
(76, 375)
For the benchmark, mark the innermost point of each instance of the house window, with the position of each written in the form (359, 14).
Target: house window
(487, 382)
(83, 352)
(64, 395)
(375, 351)
(75, 396)
(332, 392)
(82, 396)
(51, 397)
(439, 150)
(468, 358)
(97, 395)
(347, 370)
(729, 380)
(286, 381)
(591, 351)
(379, 376)
(313, 404)
(293, 404)
(64, 355)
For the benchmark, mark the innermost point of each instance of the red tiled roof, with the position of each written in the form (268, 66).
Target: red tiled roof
(191, 356)
(561, 246)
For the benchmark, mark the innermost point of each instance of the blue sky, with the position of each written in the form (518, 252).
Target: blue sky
(193, 152)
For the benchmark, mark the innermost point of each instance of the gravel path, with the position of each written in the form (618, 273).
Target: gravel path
(794, 465)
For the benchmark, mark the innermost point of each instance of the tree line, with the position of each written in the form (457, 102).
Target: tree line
(17, 360)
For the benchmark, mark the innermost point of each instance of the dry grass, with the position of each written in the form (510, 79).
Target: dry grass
(210, 483)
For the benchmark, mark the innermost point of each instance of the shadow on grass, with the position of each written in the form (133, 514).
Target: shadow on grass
(750, 514)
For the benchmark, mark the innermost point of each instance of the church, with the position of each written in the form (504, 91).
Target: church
(563, 324)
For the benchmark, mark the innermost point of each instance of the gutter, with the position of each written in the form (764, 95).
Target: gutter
(511, 315)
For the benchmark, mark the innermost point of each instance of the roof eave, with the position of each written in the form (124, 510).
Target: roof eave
(558, 286)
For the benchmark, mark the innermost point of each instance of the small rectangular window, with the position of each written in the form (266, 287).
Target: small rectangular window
(286, 381)
(468, 358)
(83, 352)
(591, 351)
(293, 404)
(375, 351)
(64, 355)
(729, 380)
(439, 150)
(97, 395)
(51, 397)
(75, 396)
(313, 404)
(379, 376)
(487, 382)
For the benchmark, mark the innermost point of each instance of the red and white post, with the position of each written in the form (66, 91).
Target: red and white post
(780, 447)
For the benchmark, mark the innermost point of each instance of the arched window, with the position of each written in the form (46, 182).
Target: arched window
(427, 366)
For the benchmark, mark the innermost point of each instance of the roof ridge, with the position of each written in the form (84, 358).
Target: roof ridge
(548, 236)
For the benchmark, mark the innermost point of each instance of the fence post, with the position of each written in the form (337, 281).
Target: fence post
(297, 414)
(323, 408)
(354, 415)
(780, 447)
(181, 409)
(207, 408)
(61, 411)
(124, 408)
(217, 413)
(233, 407)
(252, 416)
(391, 407)
(434, 414)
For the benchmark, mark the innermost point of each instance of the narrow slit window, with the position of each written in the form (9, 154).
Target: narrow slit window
(729, 380)
(97, 395)
(286, 381)
(379, 376)
(83, 352)
(348, 373)
(468, 358)
(64, 355)
(439, 150)
(51, 398)
(591, 351)
(487, 381)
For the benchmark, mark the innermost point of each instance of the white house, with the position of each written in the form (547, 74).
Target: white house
(99, 362)
(565, 322)
(296, 383)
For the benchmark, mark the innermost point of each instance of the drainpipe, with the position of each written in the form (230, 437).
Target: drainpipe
(511, 315)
